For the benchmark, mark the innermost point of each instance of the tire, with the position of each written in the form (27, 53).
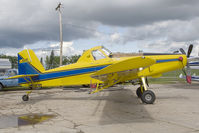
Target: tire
(139, 92)
(148, 97)
(25, 97)
(1, 87)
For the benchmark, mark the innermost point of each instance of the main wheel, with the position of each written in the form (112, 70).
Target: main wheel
(148, 97)
(139, 92)
(25, 97)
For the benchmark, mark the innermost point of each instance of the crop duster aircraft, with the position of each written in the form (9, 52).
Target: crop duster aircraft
(97, 66)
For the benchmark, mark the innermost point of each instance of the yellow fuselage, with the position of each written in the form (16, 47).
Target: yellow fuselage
(164, 63)
(80, 73)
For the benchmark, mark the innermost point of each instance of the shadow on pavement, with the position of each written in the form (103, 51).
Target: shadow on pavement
(124, 107)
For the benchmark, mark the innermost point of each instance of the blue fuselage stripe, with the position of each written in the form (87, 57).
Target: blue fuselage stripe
(69, 73)
(53, 75)
(168, 60)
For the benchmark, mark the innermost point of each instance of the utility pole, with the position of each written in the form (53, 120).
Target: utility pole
(58, 8)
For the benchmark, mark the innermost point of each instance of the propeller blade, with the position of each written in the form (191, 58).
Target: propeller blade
(182, 51)
(175, 52)
(189, 50)
(188, 78)
(188, 70)
(188, 74)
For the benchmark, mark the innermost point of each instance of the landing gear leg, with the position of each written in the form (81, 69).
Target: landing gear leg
(147, 96)
(140, 89)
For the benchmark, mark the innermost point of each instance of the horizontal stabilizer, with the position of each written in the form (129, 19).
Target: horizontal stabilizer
(23, 76)
(127, 64)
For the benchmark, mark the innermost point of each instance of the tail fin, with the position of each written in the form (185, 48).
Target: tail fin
(28, 63)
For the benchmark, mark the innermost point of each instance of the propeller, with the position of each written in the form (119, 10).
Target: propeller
(188, 72)
(189, 50)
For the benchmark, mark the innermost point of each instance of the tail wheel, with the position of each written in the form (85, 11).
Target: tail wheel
(139, 92)
(148, 97)
(25, 97)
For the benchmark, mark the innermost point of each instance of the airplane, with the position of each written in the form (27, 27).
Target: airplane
(193, 77)
(98, 67)
(193, 63)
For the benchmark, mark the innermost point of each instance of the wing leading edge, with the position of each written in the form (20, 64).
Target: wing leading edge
(126, 65)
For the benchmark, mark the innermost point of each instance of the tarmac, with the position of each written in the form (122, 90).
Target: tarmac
(114, 110)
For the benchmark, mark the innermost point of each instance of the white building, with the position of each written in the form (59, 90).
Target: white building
(4, 65)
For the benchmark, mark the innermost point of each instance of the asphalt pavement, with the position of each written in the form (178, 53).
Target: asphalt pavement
(114, 110)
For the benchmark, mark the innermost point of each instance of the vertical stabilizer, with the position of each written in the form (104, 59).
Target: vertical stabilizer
(28, 63)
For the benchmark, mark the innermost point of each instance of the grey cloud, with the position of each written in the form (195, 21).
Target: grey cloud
(176, 30)
(26, 22)
(133, 13)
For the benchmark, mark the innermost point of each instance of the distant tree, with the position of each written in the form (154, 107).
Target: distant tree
(66, 60)
(56, 61)
(75, 58)
(70, 59)
(53, 61)
(47, 62)
(14, 61)
(41, 60)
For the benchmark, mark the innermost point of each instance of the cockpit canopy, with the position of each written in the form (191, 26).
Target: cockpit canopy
(95, 53)
(101, 53)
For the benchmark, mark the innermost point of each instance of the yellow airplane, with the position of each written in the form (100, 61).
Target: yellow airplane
(97, 67)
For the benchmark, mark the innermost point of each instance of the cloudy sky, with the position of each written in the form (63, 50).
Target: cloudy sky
(120, 25)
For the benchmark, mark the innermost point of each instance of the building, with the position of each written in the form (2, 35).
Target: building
(4, 65)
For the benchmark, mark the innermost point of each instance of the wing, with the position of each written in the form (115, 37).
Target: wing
(121, 71)
(23, 76)
(124, 67)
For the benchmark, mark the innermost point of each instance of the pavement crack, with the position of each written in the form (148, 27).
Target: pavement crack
(177, 124)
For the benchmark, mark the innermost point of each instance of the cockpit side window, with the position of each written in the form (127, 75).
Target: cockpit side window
(97, 55)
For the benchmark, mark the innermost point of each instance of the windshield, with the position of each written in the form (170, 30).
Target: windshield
(107, 52)
(10, 73)
(97, 55)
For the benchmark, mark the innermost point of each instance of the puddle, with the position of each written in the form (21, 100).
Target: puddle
(22, 120)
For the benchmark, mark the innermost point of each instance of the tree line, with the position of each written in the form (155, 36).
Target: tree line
(51, 61)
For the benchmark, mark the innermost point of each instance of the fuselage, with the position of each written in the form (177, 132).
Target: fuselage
(80, 73)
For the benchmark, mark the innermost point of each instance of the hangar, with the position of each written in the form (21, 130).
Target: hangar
(4, 65)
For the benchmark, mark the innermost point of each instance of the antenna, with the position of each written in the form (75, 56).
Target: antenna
(58, 8)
